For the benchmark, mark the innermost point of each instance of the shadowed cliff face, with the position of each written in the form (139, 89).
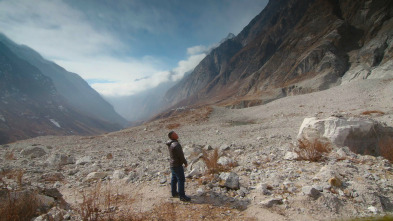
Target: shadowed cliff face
(31, 106)
(293, 47)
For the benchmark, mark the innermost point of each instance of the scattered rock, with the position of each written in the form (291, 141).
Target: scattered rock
(310, 191)
(225, 161)
(95, 176)
(84, 160)
(291, 156)
(60, 160)
(230, 180)
(264, 188)
(33, 152)
(271, 202)
(118, 174)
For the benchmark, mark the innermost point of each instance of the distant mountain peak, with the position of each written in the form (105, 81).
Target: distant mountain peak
(228, 37)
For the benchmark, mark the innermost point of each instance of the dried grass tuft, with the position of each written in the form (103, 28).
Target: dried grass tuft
(18, 206)
(172, 126)
(377, 112)
(211, 161)
(9, 155)
(313, 150)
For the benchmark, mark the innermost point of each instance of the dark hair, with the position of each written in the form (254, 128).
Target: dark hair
(170, 134)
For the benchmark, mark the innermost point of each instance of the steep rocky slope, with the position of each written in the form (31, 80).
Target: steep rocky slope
(294, 47)
(30, 104)
(69, 85)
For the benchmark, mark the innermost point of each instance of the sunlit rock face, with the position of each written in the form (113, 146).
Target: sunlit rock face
(294, 47)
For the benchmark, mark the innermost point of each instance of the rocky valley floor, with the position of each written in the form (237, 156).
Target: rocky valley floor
(129, 170)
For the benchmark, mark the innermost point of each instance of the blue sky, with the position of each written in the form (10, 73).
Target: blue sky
(122, 47)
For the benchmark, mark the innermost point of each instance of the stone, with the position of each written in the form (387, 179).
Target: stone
(225, 161)
(327, 172)
(208, 147)
(291, 156)
(373, 209)
(60, 159)
(271, 202)
(118, 174)
(263, 188)
(196, 169)
(224, 147)
(335, 182)
(83, 160)
(310, 191)
(95, 176)
(230, 180)
(163, 180)
(33, 152)
(200, 191)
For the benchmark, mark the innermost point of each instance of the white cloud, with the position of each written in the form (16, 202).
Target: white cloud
(54, 29)
(131, 86)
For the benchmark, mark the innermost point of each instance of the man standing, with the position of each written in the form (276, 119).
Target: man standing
(177, 160)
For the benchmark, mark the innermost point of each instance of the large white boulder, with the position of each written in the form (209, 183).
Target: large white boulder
(359, 134)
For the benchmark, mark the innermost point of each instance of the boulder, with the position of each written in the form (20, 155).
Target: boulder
(263, 188)
(361, 135)
(224, 147)
(291, 156)
(328, 172)
(271, 202)
(84, 160)
(118, 174)
(310, 191)
(225, 160)
(95, 176)
(60, 159)
(229, 180)
(193, 152)
(33, 152)
(196, 169)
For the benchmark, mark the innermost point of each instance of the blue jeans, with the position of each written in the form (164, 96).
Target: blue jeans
(178, 180)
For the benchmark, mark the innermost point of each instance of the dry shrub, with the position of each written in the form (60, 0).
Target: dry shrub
(18, 206)
(109, 156)
(312, 150)
(98, 203)
(9, 155)
(173, 126)
(377, 112)
(16, 175)
(386, 148)
(211, 161)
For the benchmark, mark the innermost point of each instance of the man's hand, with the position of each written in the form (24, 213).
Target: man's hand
(185, 165)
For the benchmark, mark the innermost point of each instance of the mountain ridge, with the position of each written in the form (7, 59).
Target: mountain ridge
(75, 90)
(31, 105)
(293, 47)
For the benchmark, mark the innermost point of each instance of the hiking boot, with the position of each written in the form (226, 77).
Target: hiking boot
(176, 195)
(185, 199)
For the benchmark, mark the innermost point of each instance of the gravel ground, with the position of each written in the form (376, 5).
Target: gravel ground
(257, 137)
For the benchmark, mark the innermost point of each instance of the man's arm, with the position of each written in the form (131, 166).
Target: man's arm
(180, 154)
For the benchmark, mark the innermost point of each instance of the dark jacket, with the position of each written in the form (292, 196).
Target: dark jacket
(176, 153)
